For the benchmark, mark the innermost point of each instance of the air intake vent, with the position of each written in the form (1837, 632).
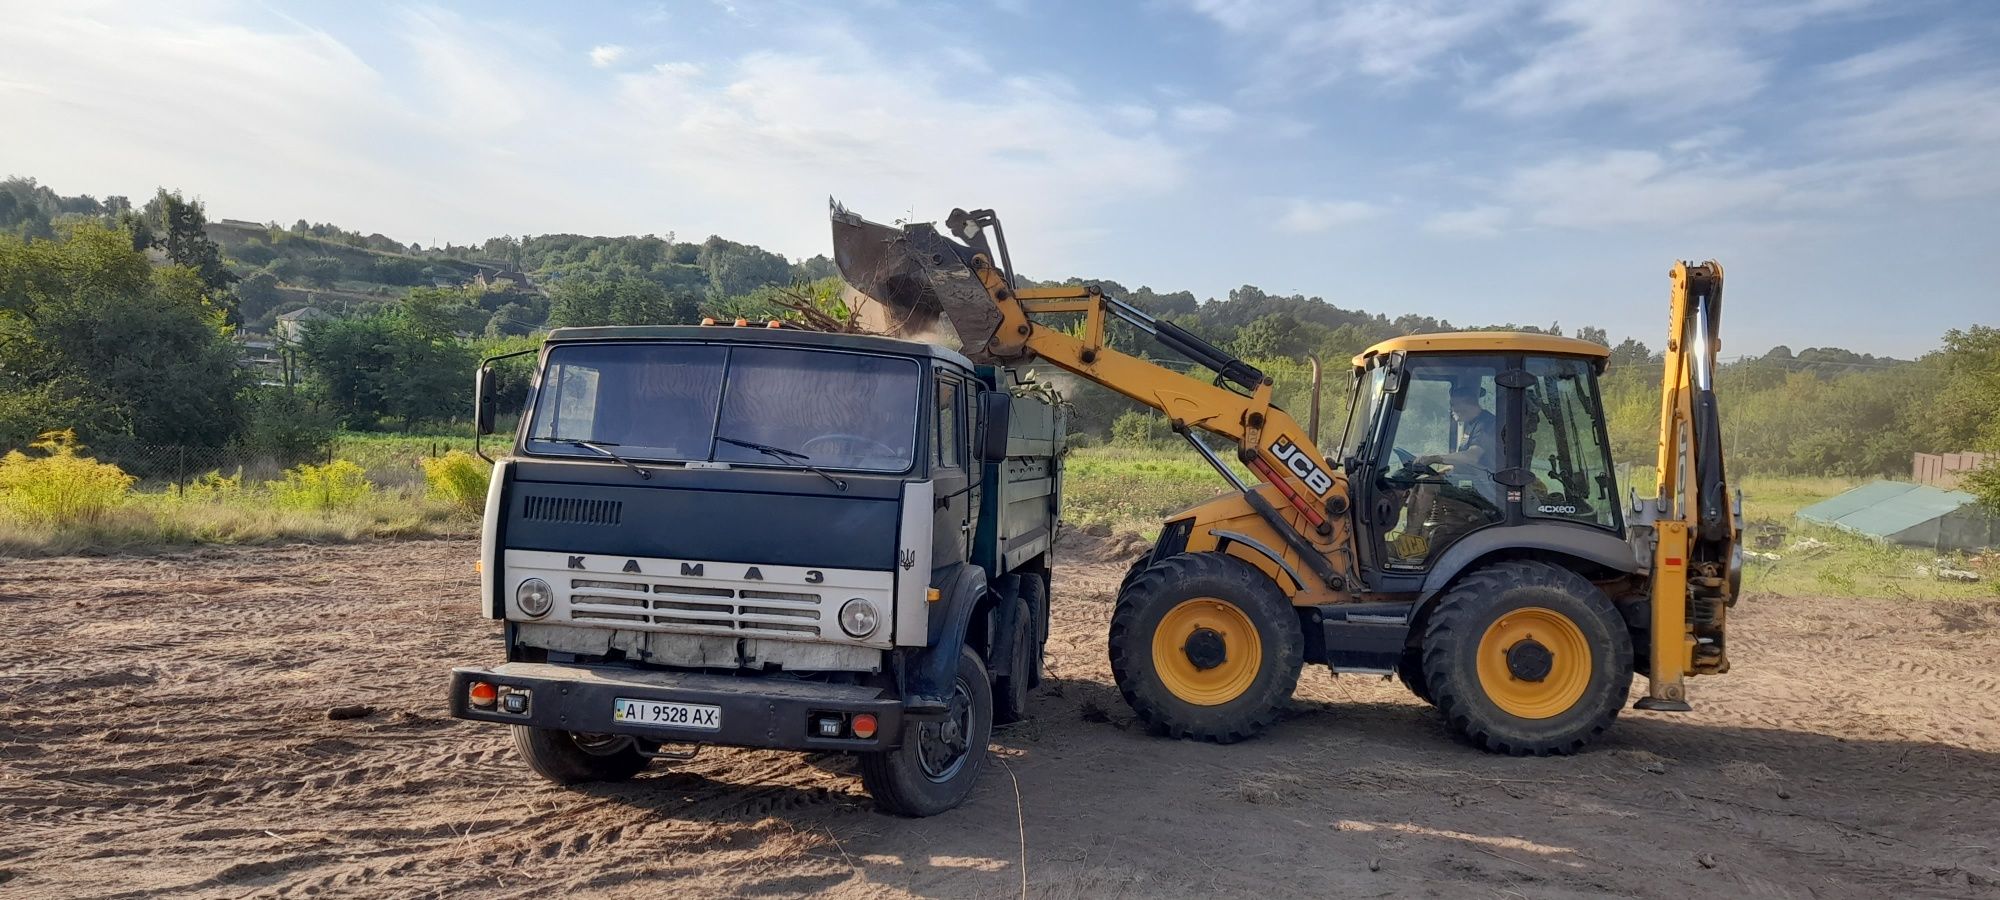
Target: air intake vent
(572, 510)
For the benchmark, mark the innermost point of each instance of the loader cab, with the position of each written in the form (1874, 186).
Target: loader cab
(1457, 434)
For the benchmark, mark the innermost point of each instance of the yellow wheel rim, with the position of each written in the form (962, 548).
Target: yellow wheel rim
(1206, 651)
(1534, 663)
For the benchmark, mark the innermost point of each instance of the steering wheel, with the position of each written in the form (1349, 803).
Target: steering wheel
(852, 440)
(1409, 463)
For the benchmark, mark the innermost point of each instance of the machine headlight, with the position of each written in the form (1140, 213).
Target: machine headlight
(535, 597)
(858, 618)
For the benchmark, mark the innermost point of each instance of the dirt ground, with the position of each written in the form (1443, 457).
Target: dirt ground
(164, 731)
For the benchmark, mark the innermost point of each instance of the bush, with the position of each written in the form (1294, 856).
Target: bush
(286, 425)
(61, 488)
(335, 485)
(460, 479)
(1984, 483)
(1135, 428)
(214, 487)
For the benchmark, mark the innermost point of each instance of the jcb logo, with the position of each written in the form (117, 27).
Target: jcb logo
(1301, 463)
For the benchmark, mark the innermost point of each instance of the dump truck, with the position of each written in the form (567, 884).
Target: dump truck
(766, 537)
(1468, 536)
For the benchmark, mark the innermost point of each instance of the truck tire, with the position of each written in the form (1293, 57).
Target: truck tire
(567, 758)
(1035, 590)
(939, 761)
(1205, 646)
(1527, 658)
(1010, 691)
(1411, 673)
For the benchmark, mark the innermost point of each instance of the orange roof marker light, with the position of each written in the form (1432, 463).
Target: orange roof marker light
(707, 320)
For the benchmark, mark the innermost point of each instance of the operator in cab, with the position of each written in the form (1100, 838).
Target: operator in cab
(1479, 434)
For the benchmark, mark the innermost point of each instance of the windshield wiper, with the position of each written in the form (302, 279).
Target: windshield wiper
(782, 453)
(600, 446)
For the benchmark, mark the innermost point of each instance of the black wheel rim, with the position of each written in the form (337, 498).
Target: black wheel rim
(601, 744)
(943, 746)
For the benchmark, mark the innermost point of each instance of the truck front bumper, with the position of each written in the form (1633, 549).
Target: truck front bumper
(756, 711)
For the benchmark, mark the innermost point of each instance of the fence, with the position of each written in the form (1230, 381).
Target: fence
(1945, 469)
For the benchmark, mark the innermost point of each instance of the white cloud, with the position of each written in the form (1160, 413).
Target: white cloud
(1208, 118)
(1659, 58)
(1303, 216)
(604, 56)
(1311, 43)
(1638, 188)
(1892, 58)
(1478, 221)
(468, 135)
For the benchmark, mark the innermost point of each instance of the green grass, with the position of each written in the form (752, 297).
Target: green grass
(155, 520)
(1136, 489)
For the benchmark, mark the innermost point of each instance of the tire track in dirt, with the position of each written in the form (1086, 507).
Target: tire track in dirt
(162, 718)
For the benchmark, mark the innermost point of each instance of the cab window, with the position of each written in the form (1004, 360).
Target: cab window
(1563, 447)
(948, 448)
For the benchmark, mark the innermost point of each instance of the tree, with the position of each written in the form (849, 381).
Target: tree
(735, 268)
(180, 227)
(401, 363)
(93, 339)
(257, 293)
(320, 271)
(626, 301)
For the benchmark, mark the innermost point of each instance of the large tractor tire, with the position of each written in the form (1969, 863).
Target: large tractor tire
(1205, 646)
(939, 761)
(1132, 571)
(1527, 658)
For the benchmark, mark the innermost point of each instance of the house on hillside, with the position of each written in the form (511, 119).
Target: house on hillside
(291, 326)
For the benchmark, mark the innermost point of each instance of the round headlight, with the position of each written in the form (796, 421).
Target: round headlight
(858, 618)
(535, 597)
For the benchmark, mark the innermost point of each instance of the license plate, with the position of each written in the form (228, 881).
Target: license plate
(671, 715)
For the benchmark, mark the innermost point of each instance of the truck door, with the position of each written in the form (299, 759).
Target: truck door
(950, 473)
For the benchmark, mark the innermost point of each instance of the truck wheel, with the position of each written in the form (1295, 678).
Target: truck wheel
(1524, 657)
(1204, 645)
(568, 758)
(939, 760)
(1411, 673)
(1010, 692)
(1035, 590)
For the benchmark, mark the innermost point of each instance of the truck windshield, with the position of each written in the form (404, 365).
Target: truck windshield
(668, 402)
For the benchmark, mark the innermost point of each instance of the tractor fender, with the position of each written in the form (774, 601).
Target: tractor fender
(1589, 544)
(930, 671)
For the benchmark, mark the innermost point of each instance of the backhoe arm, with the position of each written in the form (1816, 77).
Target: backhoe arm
(1694, 523)
(921, 275)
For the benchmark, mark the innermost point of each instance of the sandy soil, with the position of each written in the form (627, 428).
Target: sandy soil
(164, 731)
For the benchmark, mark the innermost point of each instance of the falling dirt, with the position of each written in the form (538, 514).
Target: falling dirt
(165, 730)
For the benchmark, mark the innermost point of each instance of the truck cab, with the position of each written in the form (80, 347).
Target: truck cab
(766, 537)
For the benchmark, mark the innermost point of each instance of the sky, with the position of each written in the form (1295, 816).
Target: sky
(1533, 161)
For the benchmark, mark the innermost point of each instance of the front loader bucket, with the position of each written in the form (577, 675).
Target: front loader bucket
(915, 282)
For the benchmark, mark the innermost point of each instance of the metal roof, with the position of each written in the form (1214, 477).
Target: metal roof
(1486, 342)
(1886, 508)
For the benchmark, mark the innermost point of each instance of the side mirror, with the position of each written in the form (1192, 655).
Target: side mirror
(994, 409)
(485, 399)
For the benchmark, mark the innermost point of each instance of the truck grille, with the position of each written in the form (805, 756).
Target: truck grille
(572, 510)
(702, 610)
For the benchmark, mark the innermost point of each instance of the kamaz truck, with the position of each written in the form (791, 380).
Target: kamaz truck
(766, 537)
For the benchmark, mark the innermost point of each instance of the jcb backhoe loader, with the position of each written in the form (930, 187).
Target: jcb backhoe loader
(1469, 538)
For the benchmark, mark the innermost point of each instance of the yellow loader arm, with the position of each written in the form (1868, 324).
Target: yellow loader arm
(921, 277)
(1694, 524)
